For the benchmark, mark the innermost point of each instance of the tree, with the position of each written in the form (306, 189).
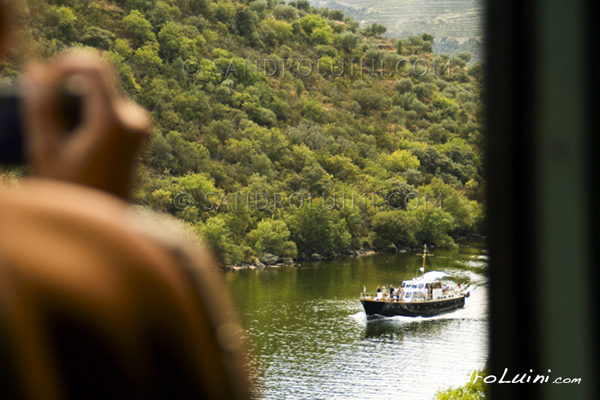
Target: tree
(259, 6)
(314, 178)
(477, 71)
(185, 157)
(272, 236)
(170, 39)
(465, 56)
(348, 40)
(285, 12)
(400, 46)
(63, 22)
(322, 35)
(163, 13)
(303, 5)
(377, 29)
(138, 29)
(147, 60)
(98, 37)
(434, 225)
(370, 100)
(404, 85)
(246, 21)
(218, 235)
(143, 5)
(312, 109)
(311, 22)
(336, 15)
(316, 229)
(427, 37)
(401, 160)
(224, 12)
(394, 227)
(281, 31)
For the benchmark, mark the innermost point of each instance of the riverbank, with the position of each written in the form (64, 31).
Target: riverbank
(268, 260)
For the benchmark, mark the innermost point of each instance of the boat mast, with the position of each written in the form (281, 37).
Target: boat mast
(425, 254)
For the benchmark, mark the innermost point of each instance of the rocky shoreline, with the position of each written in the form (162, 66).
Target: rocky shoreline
(269, 260)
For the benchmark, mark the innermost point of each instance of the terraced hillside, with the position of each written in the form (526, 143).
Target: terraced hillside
(452, 22)
(458, 19)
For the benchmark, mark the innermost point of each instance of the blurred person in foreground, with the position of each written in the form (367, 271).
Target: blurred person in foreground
(94, 302)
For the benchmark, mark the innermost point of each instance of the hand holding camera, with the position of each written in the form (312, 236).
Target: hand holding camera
(77, 125)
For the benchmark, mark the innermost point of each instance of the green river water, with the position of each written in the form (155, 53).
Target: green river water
(309, 337)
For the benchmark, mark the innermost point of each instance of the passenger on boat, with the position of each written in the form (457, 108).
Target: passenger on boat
(391, 292)
(379, 293)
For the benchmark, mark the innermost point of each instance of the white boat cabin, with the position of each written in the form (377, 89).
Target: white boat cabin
(426, 287)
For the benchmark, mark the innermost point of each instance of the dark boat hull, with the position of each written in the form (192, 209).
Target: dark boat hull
(412, 309)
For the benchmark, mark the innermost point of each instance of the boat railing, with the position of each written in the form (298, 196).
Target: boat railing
(369, 295)
(377, 296)
(384, 296)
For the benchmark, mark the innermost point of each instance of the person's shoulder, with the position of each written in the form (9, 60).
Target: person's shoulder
(63, 199)
(56, 226)
(51, 225)
(91, 256)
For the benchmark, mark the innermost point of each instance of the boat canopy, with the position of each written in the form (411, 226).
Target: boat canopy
(434, 276)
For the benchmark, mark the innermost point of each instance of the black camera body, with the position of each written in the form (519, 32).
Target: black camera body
(12, 141)
(11, 130)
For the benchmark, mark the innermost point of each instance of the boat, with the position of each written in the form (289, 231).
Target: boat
(423, 296)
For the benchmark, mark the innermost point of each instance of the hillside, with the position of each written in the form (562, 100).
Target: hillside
(301, 158)
(457, 25)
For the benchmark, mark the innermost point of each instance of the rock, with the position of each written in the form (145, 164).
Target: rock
(316, 257)
(269, 258)
(391, 249)
(257, 264)
(287, 261)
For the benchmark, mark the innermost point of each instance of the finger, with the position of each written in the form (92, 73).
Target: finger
(94, 80)
(77, 59)
(132, 117)
(42, 129)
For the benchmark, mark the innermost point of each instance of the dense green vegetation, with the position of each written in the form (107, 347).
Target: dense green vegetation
(291, 160)
(470, 391)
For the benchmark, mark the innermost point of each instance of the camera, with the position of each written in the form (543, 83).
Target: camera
(12, 141)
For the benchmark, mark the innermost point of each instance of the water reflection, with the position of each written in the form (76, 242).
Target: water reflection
(396, 328)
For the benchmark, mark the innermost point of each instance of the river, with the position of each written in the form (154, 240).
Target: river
(309, 337)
